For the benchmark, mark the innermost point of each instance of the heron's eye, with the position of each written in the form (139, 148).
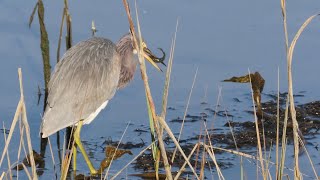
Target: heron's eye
(135, 51)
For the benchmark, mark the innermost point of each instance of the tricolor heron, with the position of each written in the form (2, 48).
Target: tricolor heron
(85, 80)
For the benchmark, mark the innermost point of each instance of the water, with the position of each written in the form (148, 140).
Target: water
(221, 38)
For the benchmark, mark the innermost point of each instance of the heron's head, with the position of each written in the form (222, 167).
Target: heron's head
(147, 54)
(126, 50)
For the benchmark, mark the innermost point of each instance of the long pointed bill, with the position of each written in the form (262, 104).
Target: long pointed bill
(148, 55)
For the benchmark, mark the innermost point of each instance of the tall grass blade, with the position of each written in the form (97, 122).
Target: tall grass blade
(141, 152)
(146, 85)
(185, 112)
(284, 141)
(154, 148)
(171, 135)
(8, 157)
(278, 125)
(168, 73)
(32, 14)
(291, 99)
(21, 112)
(114, 154)
(211, 153)
(151, 103)
(182, 169)
(27, 128)
(60, 34)
(45, 50)
(260, 153)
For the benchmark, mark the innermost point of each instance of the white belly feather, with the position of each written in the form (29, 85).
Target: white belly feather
(91, 117)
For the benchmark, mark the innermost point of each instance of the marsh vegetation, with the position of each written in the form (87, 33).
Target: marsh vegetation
(270, 136)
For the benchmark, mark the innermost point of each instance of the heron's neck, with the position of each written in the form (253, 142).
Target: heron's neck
(128, 60)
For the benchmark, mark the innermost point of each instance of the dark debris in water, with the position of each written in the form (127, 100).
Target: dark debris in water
(218, 113)
(152, 175)
(171, 108)
(82, 177)
(111, 154)
(126, 145)
(191, 118)
(145, 162)
(308, 116)
(236, 100)
(245, 132)
(312, 109)
(282, 96)
(38, 159)
(203, 116)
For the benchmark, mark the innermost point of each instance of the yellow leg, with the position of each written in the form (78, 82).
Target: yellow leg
(74, 156)
(77, 140)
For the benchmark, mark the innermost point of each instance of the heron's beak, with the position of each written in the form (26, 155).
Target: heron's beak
(152, 58)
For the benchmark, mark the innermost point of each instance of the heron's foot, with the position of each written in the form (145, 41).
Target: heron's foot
(78, 144)
(94, 172)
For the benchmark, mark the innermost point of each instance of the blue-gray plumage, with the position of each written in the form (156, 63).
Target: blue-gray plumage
(86, 78)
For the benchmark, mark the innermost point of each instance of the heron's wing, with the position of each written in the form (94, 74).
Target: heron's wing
(85, 78)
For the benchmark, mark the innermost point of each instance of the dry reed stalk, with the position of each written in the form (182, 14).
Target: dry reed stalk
(284, 20)
(230, 127)
(166, 87)
(21, 146)
(279, 169)
(212, 155)
(251, 157)
(114, 154)
(2, 176)
(203, 161)
(284, 141)
(289, 52)
(309, 158)
(152, 107)
(185, 163)
(185, 112)
(264, 175)
(147, 88)
(268, 161)
(8, 157)
(168, 73)
(66, 163)
(141, 152)
(21, 112)
(65, 17)
(197, 151)
(60, 34)
(167, 128)
(26, 170)
(167, 82)
(291, 99)
(278, 125)
(52, 157)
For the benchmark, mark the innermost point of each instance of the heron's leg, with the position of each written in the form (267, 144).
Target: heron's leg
(74, 156)
(82, 150)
